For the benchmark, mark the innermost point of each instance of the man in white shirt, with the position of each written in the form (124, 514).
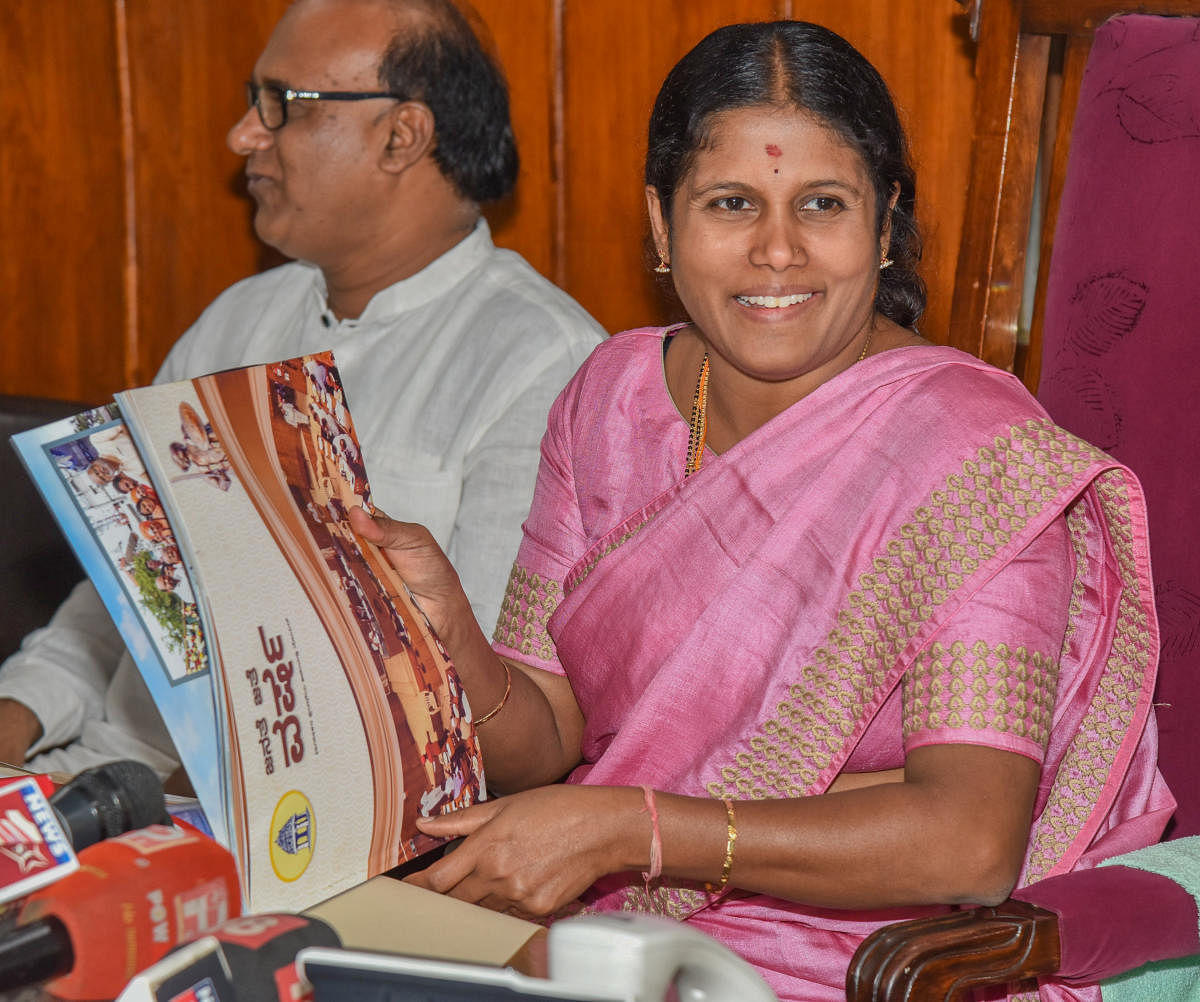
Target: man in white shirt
(375, 130)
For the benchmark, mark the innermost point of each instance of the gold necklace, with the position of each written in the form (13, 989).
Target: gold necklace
(698, 422)
(866, 344)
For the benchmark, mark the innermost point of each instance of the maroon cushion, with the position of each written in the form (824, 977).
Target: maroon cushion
(1115, 918)
(1121, 356)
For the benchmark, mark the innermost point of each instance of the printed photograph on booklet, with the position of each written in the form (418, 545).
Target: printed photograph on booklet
(96, 485)
(104, 476)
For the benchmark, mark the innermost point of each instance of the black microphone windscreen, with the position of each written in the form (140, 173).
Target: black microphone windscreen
(108, 800)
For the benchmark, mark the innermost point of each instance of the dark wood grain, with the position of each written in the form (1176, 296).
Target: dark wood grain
(939, 959)
(61, 199)
(117, 240)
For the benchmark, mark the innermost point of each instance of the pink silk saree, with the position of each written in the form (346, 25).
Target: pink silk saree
(836, 579)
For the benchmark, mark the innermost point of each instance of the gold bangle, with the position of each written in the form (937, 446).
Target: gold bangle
(503, 699)
(730, 838)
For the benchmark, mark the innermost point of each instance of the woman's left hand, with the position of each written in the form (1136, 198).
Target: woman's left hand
(531, 853)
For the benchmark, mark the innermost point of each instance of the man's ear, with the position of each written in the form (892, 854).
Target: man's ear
(411, 136)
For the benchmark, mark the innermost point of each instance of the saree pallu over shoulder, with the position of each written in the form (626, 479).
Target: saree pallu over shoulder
(736, 634)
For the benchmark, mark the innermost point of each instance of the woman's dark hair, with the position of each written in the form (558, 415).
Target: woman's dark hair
(804, 66)
(438, 60)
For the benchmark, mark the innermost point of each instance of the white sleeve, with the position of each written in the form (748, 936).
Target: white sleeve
(130, 727)
(499, 473)
(63, 670)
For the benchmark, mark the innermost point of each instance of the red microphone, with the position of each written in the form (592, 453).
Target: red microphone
(247, 959)
(39, 837)
(34, 849)
(133, 898)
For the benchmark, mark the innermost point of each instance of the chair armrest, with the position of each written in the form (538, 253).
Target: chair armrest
(924, 960)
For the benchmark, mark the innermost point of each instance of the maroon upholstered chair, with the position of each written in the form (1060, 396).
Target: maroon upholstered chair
(1088, 137)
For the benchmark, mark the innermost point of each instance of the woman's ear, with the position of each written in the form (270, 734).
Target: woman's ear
(885, 238)
(411, 135)
(658, 224)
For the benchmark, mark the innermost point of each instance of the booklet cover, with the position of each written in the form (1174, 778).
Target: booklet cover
(92, 477)
(335, 707)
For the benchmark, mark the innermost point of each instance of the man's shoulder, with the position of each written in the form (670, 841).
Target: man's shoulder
(219, 336)
(291, 279)
(520, 291)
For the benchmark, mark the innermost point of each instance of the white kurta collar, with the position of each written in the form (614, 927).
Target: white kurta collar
(430, 283)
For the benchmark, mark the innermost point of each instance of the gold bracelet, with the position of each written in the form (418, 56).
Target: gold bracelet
(503, 699)
(730, 839)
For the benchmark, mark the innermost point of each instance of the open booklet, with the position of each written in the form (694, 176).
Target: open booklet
(315, 711)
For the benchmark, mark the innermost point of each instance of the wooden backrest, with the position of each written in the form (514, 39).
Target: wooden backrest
(1023, 108)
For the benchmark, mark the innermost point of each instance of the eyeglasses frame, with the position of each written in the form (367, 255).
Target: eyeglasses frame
(289, 94)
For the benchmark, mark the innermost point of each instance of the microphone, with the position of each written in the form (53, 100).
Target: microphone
(107, 800)
(133, 897)
(39, 838)
(247, 959)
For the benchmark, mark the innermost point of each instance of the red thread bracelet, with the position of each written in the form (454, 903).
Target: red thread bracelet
(651, 808)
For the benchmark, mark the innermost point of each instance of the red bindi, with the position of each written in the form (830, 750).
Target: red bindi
(773, 150)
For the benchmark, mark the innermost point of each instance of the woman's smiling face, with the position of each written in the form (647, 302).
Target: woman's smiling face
(774, 246)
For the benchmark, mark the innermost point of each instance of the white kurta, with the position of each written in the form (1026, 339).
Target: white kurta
(449, 375)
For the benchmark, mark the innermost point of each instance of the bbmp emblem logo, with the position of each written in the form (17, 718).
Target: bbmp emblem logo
(293, 835)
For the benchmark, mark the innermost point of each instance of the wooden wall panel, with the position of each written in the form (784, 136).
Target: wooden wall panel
(188, 63)
(582, 76)
(524, 37)
(61, 199)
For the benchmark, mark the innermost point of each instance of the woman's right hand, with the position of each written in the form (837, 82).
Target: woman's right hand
(536, 738)
(422, 565)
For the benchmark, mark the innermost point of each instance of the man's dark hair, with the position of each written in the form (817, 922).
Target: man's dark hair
(805, 66)
(437, 59)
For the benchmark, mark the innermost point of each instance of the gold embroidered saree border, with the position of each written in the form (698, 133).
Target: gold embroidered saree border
(1097, 744)
(958, 528)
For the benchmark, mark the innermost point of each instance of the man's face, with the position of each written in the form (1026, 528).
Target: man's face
(316, 181)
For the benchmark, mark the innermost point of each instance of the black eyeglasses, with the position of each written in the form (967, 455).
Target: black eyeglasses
(271, 101)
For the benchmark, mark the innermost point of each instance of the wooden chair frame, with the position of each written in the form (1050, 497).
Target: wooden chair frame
(1016, 92)
(1029, 65)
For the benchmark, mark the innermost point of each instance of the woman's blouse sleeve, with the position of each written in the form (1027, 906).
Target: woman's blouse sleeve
(553, 540)
(990, 675)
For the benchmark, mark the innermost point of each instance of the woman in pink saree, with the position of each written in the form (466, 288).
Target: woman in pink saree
(826, 626)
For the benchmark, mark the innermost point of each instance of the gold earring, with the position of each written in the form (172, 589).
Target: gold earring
(887, 262)
(662, 267)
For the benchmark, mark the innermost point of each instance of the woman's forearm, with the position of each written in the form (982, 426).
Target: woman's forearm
(533, 736)
(532, 731)
(953, 832)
